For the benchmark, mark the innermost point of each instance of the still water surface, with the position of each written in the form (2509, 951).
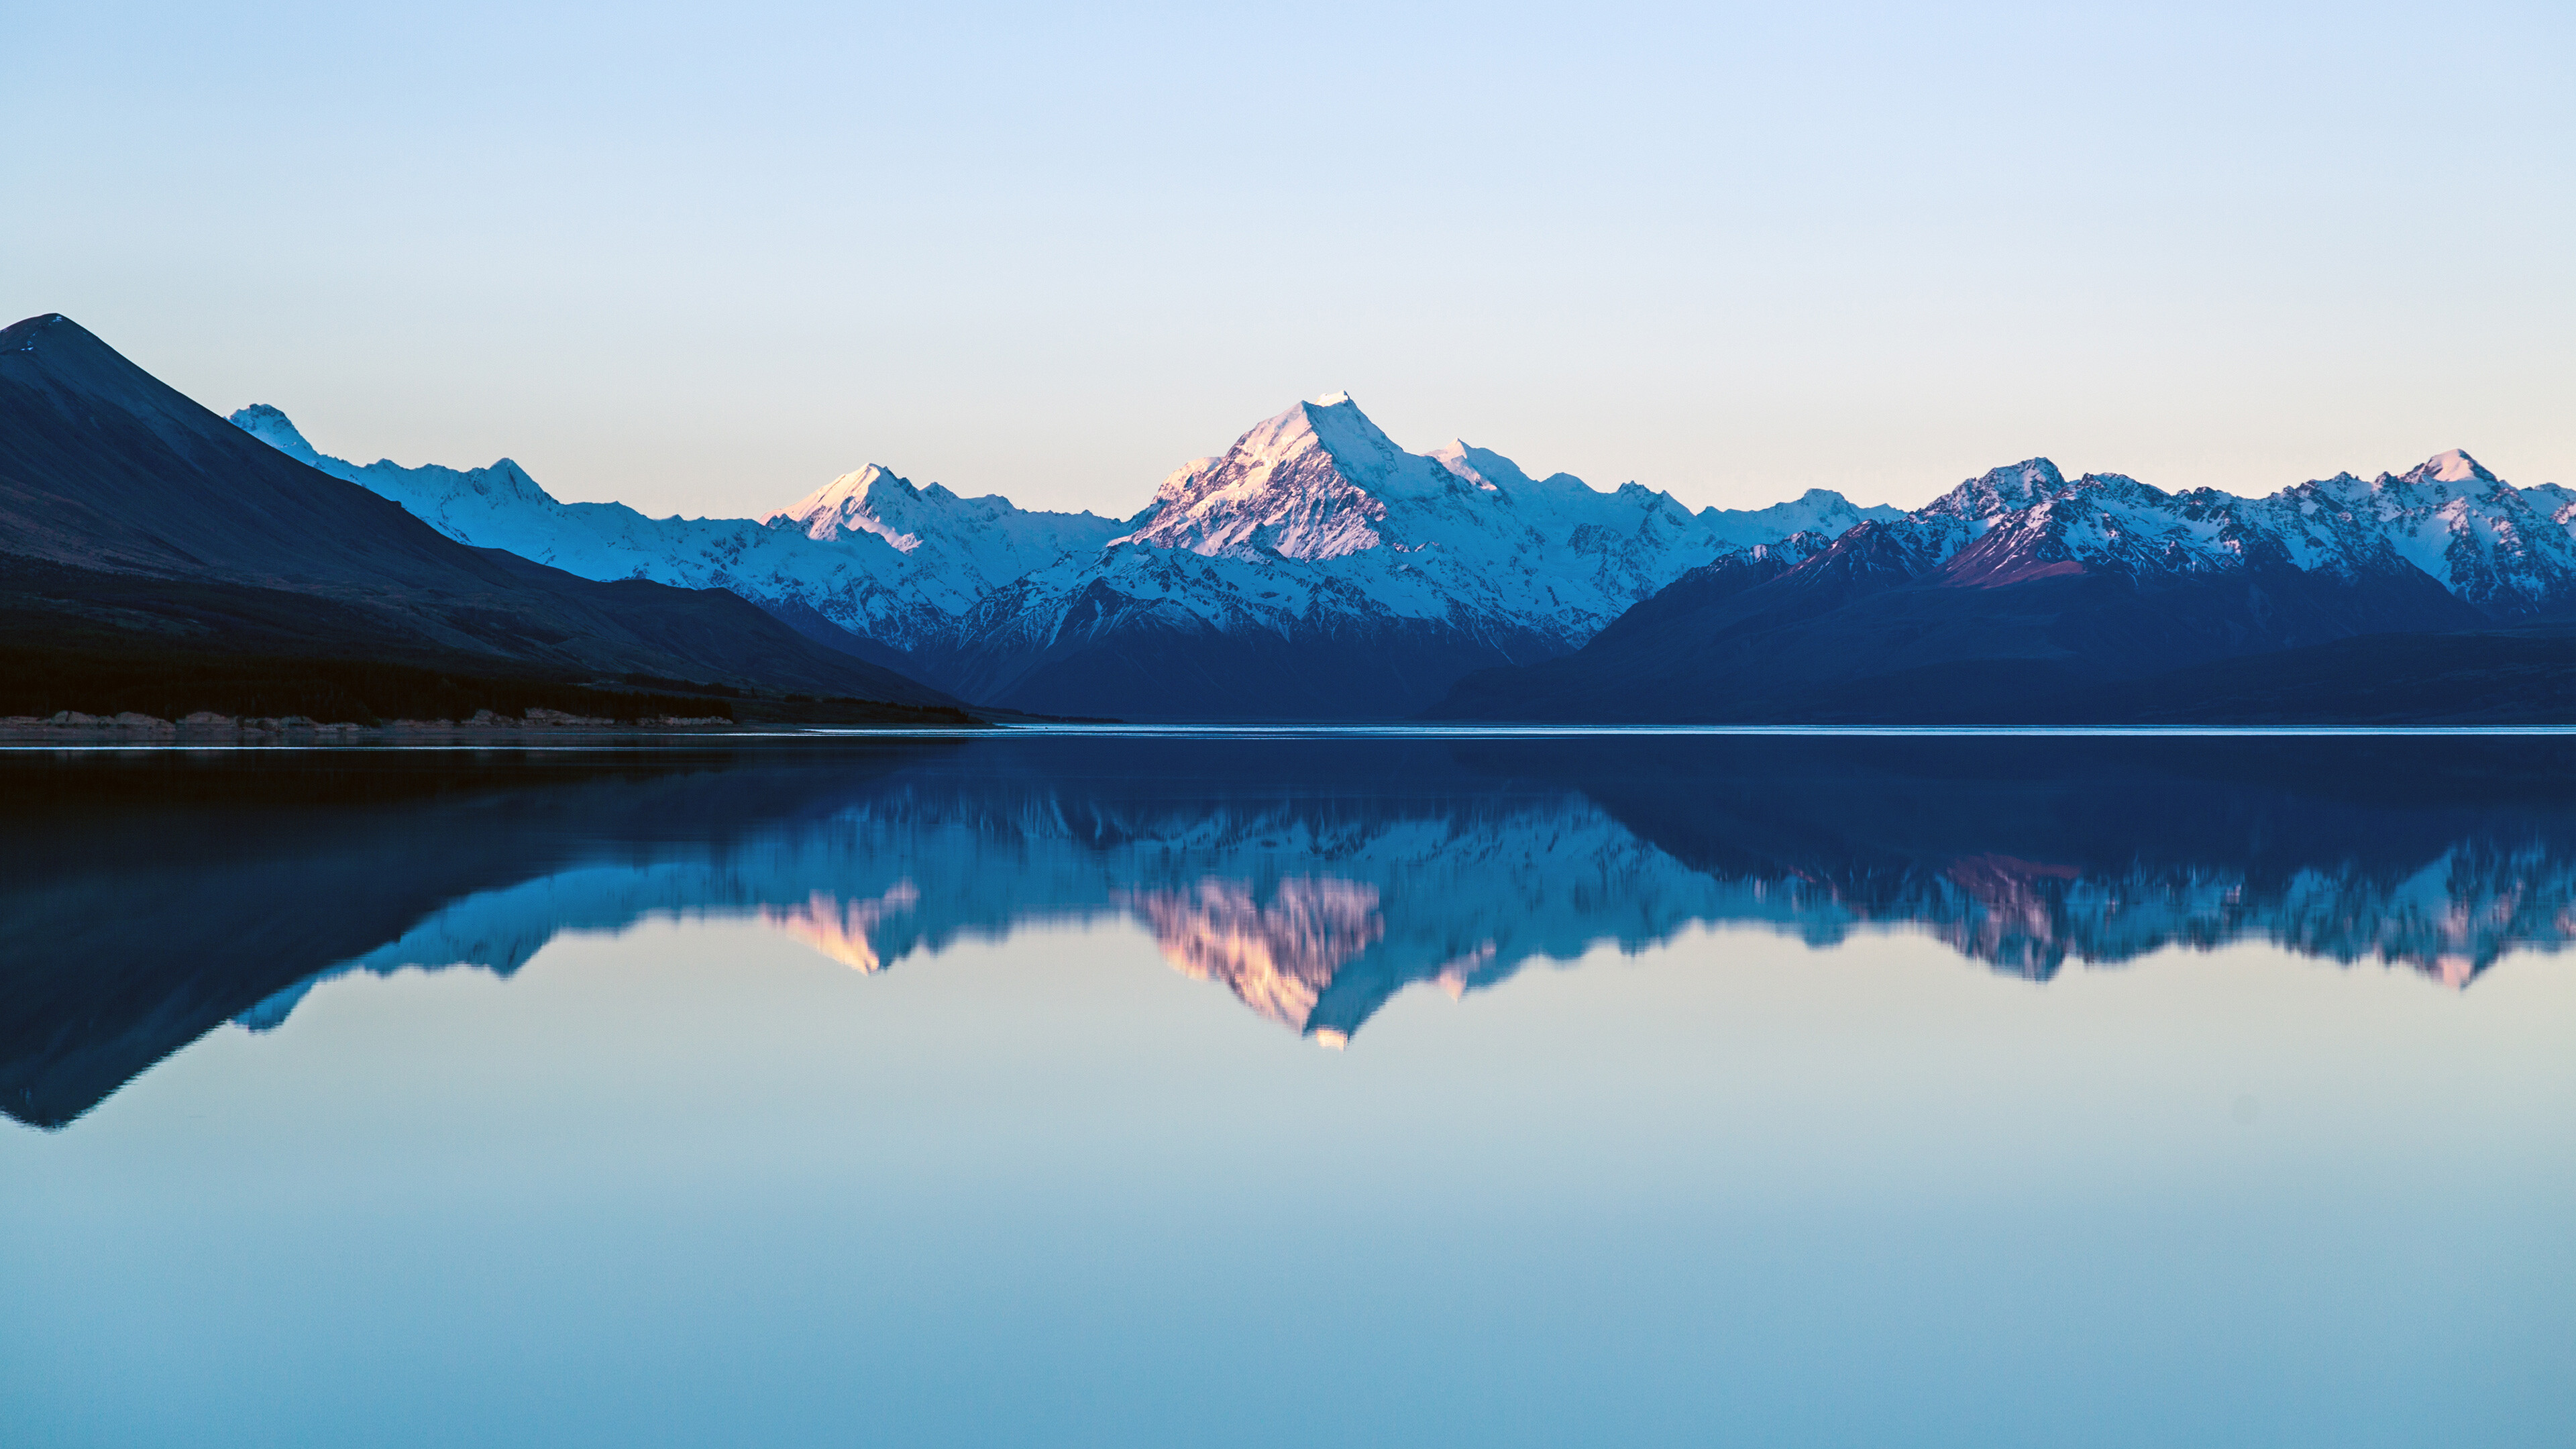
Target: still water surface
(1076, 1090)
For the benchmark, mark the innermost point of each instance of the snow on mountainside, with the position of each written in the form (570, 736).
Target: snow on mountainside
(995, 540)
(2509, 552)
(2019, 594)
(1818, 510)
(1318, 568)
(1314, 534)
(891, 584)
(2506, 550)
(1321, 482)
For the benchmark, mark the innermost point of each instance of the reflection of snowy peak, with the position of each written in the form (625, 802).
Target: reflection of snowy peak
(1278, 957)
(2450, 918)
(1315, 911)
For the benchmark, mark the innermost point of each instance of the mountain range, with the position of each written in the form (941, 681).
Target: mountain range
(136, 525)
(2025, 595)
(1313, 570)
(1316, 569)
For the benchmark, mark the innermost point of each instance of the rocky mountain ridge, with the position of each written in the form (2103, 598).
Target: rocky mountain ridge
(834, 551)
(2021, 595)
(2506, 551)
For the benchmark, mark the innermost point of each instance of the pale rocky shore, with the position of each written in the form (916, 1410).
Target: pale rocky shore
(213, 728)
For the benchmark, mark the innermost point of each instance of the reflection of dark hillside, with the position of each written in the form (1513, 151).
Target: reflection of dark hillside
(146, 899)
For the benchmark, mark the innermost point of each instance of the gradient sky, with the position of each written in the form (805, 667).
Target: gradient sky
(703, 258)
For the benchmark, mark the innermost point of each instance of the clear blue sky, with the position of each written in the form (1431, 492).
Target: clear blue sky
(703, 258)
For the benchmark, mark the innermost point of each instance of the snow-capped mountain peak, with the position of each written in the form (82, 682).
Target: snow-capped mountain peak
(1312, 483)
(504, 480)
(1912, 544)
(1318, 567)
(2453, 466)
(959, 547)
(851, 504)
(2000, 490)
(1479, 466)
(272, 427)
(1334, 424)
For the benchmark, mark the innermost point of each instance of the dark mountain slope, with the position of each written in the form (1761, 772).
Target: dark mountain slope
(1110, 654)
(108, 471)
(2523, 675)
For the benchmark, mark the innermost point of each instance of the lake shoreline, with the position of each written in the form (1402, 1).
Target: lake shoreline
(72, 726)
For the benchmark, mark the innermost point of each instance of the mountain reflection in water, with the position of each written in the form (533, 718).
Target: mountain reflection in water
(148, 899)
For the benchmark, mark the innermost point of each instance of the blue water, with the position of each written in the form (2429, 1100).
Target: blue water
(1169, 1089)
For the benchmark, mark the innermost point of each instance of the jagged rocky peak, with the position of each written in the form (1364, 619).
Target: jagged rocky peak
(855, 502)
(1483, 467)
(933, 524)
(1332, 429)
(1493, 474)
(2001, 490)
(1775, 554)
(2106, 500)
(2428, 485)
(271, 426)
(2454, 466)
(1312, 483)
(503, 479)
(1820, 510)
(1798, 547)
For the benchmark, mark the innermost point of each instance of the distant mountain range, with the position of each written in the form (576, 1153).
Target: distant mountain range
(868, 562)
(136, 524)
(2025, 596)
(1318, 570)
(1314, 570)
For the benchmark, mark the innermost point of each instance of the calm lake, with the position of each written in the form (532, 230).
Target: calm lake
(1244, 1090)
